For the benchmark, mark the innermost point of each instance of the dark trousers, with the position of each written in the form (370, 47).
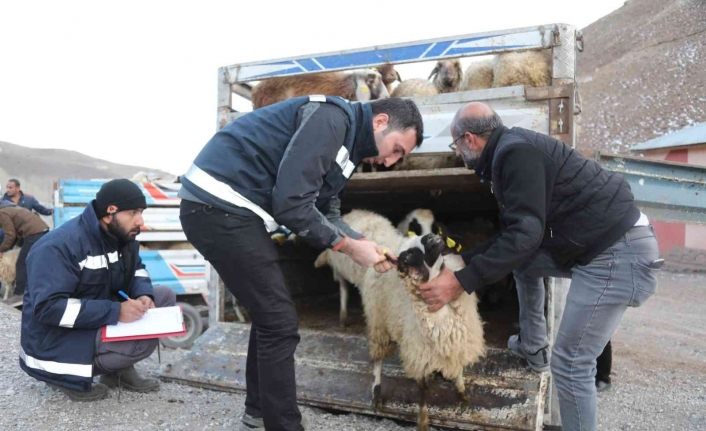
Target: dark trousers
(20, 266)
(604, 363)
(242, 252)
(112, 357)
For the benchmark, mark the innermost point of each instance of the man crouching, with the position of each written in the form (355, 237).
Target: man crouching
(74, 275)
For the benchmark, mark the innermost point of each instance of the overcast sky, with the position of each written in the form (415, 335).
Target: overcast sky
(135, 81)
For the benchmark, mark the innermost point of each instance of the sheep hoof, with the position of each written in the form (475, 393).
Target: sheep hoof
(343, 320)
(377, 397)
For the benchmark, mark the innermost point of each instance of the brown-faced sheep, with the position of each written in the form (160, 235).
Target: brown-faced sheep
(444, 342)
(447, 75)
(362, 85)
(389, 76)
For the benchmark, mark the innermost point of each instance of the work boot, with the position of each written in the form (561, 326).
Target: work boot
(537, 361)
(129, 379)
(98, 392)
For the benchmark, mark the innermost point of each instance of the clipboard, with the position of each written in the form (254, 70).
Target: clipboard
(156, 323)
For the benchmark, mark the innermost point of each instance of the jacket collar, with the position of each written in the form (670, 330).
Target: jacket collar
(485, 163)
(364, 145)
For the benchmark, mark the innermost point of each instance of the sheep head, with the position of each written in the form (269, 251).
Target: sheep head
(447, 75)
(421, 258)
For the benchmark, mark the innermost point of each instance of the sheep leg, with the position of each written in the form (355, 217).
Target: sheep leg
(343, 313)
(376, 389)
(423, 416)
(461, 388)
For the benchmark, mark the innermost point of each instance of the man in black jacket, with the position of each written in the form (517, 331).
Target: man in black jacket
(285, 164)
(562, 215)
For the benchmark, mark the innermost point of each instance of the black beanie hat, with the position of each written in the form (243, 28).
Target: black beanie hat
(122, 193)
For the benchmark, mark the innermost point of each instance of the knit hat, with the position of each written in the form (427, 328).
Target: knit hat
(122, 193)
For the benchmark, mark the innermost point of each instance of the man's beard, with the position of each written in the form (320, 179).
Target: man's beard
(119, 232)
(470, 157)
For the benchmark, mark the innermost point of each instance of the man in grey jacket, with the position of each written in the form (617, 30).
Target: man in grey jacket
(285, 164)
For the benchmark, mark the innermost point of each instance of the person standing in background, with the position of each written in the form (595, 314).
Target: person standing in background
(14, 194)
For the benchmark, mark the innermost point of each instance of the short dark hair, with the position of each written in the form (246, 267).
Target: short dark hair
(481, 126)
(403, 114)
(14, 180)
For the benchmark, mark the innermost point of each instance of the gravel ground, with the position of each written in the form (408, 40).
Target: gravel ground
(659, 381)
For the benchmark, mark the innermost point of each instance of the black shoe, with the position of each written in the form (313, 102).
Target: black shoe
(129, 379)
(98, 392)
(602, 386)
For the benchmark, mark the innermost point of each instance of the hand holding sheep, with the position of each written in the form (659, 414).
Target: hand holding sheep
(440, 290)
(366, 254)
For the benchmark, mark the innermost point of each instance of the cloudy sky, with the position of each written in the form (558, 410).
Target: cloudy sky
(135, 81)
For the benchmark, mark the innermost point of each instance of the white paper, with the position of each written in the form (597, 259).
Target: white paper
(161, 320)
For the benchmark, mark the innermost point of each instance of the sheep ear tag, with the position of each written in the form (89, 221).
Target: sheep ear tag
(450, 243)
(411, 234)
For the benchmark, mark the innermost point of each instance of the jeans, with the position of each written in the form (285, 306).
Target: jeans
(600, 292)
(245, 257)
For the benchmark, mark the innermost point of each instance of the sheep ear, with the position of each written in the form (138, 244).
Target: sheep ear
(399, 78)
(362, 91)
(434, 71)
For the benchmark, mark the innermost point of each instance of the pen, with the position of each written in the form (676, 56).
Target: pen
(123, 294)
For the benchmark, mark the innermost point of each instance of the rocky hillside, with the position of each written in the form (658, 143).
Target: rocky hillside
(642, 73)
(38, 169)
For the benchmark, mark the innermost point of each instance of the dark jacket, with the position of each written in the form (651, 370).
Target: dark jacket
(29, 202)
(292, 159)
(550, 197)
(74, 274)
(18, 223)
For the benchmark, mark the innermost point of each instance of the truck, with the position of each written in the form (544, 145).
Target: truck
(332, 366)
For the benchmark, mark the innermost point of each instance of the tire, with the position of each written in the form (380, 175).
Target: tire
(194, 328)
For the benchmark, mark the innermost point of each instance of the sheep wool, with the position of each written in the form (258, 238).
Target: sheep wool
(531, 68)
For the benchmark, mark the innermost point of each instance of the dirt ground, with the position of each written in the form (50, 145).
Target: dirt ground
(659, 381)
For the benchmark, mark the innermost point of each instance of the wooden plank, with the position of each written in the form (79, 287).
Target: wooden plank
(421, 179)
(333, 371)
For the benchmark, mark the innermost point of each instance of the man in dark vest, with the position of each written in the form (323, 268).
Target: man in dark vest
(562, 215)
(285, 164)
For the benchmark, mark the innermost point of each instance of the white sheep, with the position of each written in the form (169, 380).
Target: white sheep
(419, 222)
(361, 85)
(444, 342)
(478, 75)
(530, 68)
(415, 87)
(8, 270)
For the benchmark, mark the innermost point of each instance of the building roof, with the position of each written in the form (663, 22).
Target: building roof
(691, 135)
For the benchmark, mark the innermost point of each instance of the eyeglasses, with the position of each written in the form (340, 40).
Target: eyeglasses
(453, 145)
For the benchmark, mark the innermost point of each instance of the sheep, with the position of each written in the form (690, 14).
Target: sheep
(444, 342)
(418, 222)
(362, 85)
(8, 270)
(530, 68)
(344, 270)
(447, 75)
(415, 87)
(478, 75)
(389, 76)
